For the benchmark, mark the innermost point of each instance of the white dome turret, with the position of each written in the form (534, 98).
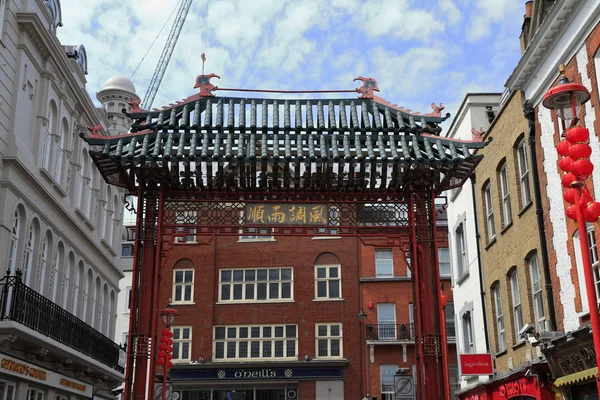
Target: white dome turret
(115, 95)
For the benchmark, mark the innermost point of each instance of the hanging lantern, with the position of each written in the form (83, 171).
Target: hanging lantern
(572, 212)
(582, 168)
(567, 179)
(578, 134)
(565, 164)
(586, 198)
(580, 150)
(563, 147)
(591, 212)
(570, 195)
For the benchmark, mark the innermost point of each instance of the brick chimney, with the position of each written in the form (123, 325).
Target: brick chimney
(525, 29)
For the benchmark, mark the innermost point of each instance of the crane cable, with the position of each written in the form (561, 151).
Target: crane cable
(151, 45)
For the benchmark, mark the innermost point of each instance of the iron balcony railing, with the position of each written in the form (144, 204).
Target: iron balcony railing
(392, 332)
(385, 332)
(20, 303)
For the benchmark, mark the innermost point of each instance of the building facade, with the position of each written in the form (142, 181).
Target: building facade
(60, 224)
(474, 117)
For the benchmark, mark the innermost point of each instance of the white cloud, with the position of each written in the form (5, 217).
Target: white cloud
(488, 12)
(448, 8)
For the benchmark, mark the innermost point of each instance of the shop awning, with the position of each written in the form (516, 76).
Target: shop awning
(576, 377)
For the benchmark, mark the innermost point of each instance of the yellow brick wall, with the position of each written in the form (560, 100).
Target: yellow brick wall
(513, 243)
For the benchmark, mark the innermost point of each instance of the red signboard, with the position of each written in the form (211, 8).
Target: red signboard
(476, 364)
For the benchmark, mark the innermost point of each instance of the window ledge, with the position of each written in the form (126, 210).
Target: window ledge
(325, 237)
(491, 243)
(500, 353)
(446, 277)
(507, 227)
(108, 247)
(271, 239)
(524, 209)
(239, 302)
(521, 343)
(328, 299)
(183, 243)
(46, 174)
(462, 278)
(126, 312)
(386, 279)
(183, 303)
(59, 190)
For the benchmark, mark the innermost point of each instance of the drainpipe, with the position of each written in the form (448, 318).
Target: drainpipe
(480, 266)
(530, 115)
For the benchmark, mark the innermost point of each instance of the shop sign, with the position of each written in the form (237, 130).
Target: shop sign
(518, 388)
(21, 369)
(286, 214)
(476, 364)
(578, 360)
(240, 374)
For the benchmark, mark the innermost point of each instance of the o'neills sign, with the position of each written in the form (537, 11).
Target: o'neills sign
(24, 370)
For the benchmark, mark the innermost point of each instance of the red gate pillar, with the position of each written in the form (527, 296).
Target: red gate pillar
(140, 341)
(432, 366)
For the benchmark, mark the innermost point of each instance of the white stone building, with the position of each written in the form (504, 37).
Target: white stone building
(60, 224)
(475, 113)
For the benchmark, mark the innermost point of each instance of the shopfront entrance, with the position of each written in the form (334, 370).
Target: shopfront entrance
(247, 393)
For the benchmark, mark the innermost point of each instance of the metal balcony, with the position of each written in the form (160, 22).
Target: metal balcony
(19, 303)
(390, 332)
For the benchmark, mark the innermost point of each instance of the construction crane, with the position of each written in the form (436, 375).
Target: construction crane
(167, 52)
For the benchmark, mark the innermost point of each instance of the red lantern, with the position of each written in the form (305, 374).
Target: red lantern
(169, 356)
(565, 164)
(578, 134)
(161, 354)
(163, 339)
(580, 150)
(570, 195)
(563, 147)
(165, 332)
(592, 211)
(160, 361)
(567, 179)
(169, 364)
(586, 198)
(583, 167)
(162, 347)
(572, 212)
(169, 334)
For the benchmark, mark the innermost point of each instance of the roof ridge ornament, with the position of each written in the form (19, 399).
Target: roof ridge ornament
(478, 134)
(203, 83)
(95, 131)
(368, 87)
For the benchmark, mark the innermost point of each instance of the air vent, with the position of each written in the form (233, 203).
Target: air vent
(291, 394)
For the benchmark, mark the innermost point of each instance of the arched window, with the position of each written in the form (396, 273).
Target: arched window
(499, 316)
(594, 260)
(30, 246)
(43, 262)
(114, 223)
(97, 305)
(56, 12)
(104, 311)
(100, 223)
(60, 144)
(328, 280)
(107, 214)
(515, 300)
(78, 301)
(66, 288)
(82, 182)
(15, 236)
(57, 266)
(50, 132)
(536, 292)
(89, 287)
(112, 315)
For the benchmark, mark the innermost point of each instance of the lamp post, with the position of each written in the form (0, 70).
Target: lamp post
(565, 98)
(166, 346)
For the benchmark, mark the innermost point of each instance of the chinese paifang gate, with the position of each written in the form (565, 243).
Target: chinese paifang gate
(242, 165)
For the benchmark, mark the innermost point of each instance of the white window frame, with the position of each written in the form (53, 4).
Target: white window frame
(516, 304)
(29, 248)
(61, 397)
(500, 327)
(35, 394)
(593, 252)
(522, 162)
(2, 13)
(42, 265)
(253, 284)
(4, 386)
(594, 259)
(467, 332)
(184, 284)
(328, 279)
(328, 338)
(388, 388)
(128, 246)
(536, 293)
(505, 194)
(444, 259)
(254, 238)
(380, 259)
(14, 243)
(261, 339)
(461, 251)
(190, 238)
(127, 299)
(386, 328)
(489, 212)
(179, 343)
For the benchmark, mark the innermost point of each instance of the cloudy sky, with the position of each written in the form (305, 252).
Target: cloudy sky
(420, 51)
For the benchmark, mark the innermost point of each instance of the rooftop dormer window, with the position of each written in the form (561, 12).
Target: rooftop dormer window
(54, 7)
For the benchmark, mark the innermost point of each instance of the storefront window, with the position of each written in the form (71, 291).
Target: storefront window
(35, 394)
(7, 390)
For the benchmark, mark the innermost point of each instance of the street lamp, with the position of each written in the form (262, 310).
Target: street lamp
(166, 346)
(566, 98)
